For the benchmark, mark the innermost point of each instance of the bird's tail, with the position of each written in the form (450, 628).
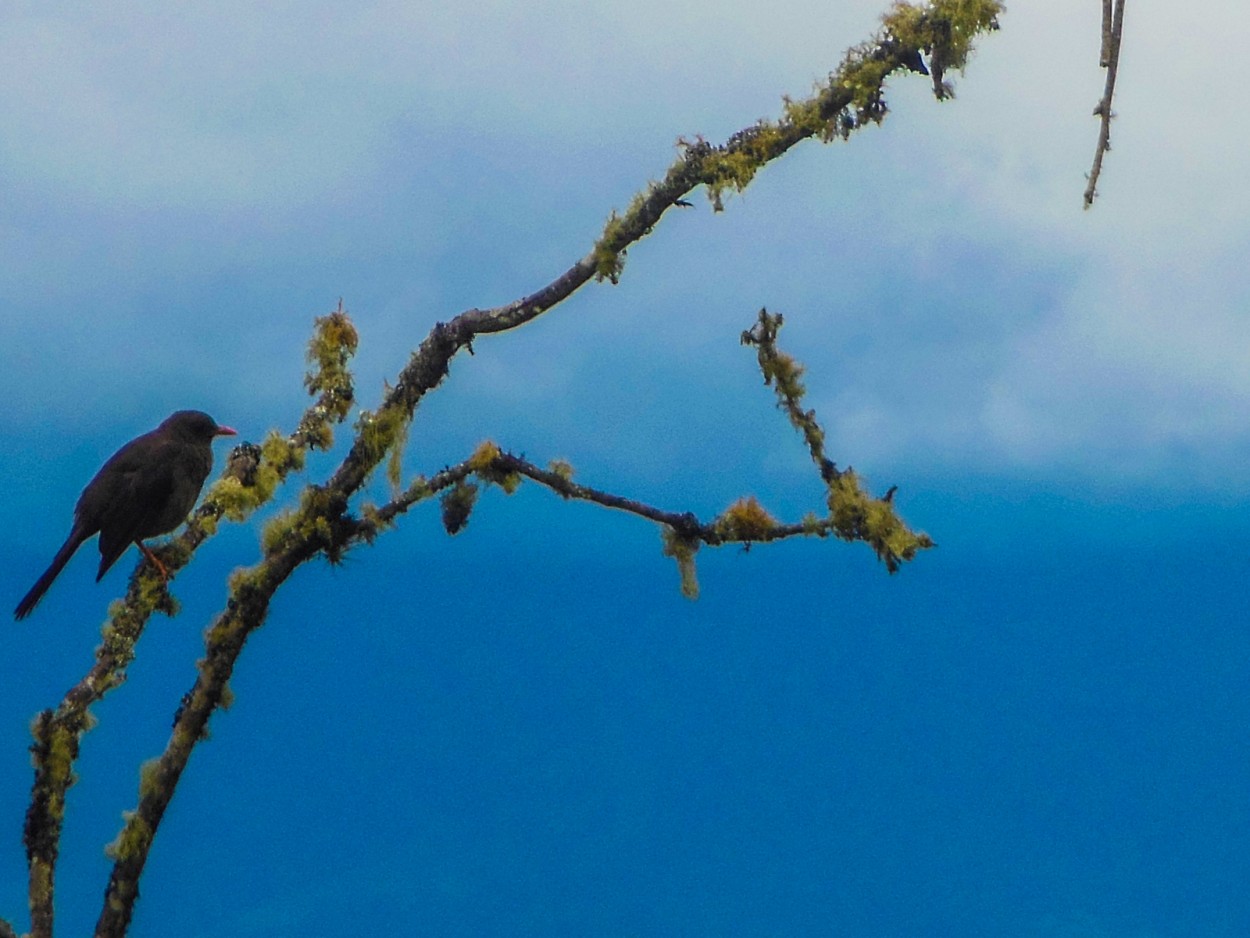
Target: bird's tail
(31, 599)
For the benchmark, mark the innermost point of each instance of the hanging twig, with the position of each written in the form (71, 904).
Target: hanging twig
(1109, 58)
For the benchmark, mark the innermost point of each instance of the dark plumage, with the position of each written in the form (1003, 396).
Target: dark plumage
(147, 488)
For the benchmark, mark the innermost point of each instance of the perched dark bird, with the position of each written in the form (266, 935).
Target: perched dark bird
(147, 488)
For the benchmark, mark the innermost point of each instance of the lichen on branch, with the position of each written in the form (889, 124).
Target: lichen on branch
(853, 514)
(251, 478)
(853, 97)
(322, 524)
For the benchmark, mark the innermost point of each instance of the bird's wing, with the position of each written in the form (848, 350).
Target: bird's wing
(140, 483)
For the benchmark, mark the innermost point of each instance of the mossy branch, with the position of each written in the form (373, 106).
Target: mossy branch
(785, 375)
(852, 98)
(853, 514)
(251, 476)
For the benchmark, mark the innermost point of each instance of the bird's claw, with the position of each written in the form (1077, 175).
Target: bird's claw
(154, 560)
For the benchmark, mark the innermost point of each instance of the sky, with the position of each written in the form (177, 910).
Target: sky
(1035, 729)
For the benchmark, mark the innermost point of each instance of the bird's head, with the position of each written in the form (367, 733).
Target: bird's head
(195, 424)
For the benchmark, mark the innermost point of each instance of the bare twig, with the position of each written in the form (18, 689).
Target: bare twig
(1109, 58)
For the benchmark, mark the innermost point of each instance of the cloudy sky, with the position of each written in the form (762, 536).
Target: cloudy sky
(1036, 729)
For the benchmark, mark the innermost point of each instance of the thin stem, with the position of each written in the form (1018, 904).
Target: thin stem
(1112, 28)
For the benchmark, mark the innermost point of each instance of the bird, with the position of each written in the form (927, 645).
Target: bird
(145, 489)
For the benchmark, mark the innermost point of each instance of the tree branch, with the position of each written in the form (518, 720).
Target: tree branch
(853, 514)
(491, 463)
(251, 477)
(856, 516)
(852, 98)
(1109, 58)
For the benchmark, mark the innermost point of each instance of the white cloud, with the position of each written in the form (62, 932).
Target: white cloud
(949, 295)
(1135, 360)
(232, 103)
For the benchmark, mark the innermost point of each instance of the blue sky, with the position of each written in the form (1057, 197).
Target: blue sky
(1036, 729)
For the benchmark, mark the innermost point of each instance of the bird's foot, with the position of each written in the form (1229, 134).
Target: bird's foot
(154, 560)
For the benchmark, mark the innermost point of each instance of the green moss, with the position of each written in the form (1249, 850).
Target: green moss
(58, 749)
(278, 459)
(174, 554)
(134, 836)
(457, 505)
(484, 456)
(864, 79)
(943, 30)
(334, 340)
(270, 475)
(418, 490)
(378, 431)
(785, 374)
(955, 24)
(907, 25)
(310, 525)
(562, 468)
(374, 521)
(232, 499)
(278, 452)
(484, 463)
(858, 517)
(243, 580)
(118, 635)
(846, 502)
(153, 591)
(745, 520)
(321, 435)
(150, 782)
(395, 465)
(508, 481)
(276, 532)
(618, 232)
(333, 343)
(734, 165)
(728, 170)
(683, 550)
(608, 254)
(805, 115)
